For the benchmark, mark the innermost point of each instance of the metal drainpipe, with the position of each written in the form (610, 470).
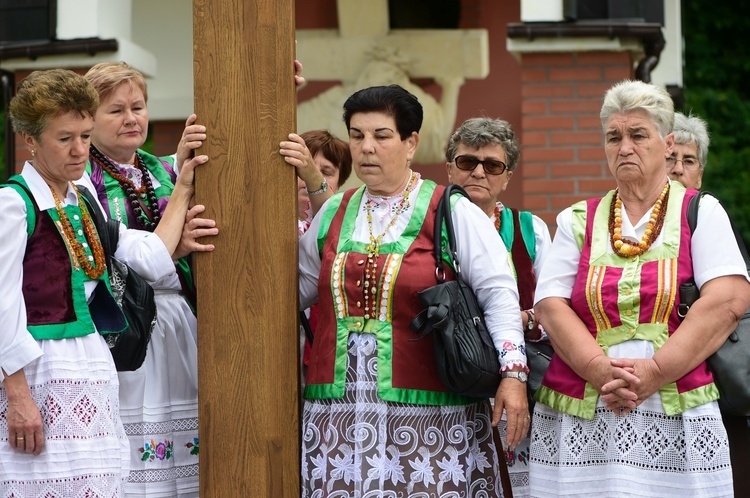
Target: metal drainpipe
(7, 81)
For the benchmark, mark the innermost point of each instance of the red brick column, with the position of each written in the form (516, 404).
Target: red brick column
(562, 143)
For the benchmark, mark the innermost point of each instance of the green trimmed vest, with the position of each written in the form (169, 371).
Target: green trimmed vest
(517, 232)
(406, 367)
(53, 281)
(621, 299)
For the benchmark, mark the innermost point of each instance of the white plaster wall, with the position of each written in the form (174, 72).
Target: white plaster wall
(542, 10)
(93, 18)
(166, 28)
(669, 69)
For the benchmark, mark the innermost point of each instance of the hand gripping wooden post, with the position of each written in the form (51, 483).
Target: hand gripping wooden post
(247, 288)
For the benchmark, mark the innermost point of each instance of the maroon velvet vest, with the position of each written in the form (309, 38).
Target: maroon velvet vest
(406, 368)
(47, 291)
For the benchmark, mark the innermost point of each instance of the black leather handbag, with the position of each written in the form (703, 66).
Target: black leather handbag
(538, 356)
(133, 294)
(730, 364)
(465, 356)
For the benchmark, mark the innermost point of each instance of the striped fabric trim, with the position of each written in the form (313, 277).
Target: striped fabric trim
(594, 297)
(340, 301)
(391, 268)
(667, 283)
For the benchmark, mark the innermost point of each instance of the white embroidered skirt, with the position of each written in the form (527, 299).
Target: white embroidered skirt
(362, 446)
(86, 451)
(159, 406)
(645, 453)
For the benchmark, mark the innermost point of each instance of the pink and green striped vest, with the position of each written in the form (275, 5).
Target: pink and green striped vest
(621, 299)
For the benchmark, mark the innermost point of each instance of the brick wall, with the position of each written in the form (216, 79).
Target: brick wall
(166, 135)
(561, 136)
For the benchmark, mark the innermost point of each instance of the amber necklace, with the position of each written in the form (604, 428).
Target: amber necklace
(145, 191)
(498, 220)
(653, 229)
(373, 248)
(97, 269)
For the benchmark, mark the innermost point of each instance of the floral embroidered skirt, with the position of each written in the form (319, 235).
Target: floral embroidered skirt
(645, 453)
(159, 406)
(361, 445)
(74, 384)
(518, 462)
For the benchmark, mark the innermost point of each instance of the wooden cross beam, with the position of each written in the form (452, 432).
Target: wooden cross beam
(247, 289)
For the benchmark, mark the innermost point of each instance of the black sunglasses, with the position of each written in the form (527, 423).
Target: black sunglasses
(491, 166)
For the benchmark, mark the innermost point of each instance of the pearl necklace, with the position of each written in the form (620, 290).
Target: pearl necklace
(146, 190)
(373, 248)
(653, 229)
(97, 269)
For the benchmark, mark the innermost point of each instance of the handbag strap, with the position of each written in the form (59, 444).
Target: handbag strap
(443, 216)
(108, 229)
(501, 461)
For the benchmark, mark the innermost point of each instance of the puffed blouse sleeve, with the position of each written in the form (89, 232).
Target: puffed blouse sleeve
(17, 346)
(485, 268)
(145, 253)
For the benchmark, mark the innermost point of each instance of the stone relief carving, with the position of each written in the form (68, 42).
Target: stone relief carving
(325, 110)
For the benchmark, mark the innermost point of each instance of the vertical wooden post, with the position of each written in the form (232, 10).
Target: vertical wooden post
(247, 289)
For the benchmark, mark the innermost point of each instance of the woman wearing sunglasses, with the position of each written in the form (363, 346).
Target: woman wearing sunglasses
(482, 155)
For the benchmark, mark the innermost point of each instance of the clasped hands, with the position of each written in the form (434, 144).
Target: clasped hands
(624, 383)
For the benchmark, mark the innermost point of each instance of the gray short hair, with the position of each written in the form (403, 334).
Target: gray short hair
(479, 132)
(692, 130)
(629, 95)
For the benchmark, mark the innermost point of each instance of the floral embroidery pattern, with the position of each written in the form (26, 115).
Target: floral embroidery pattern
(156, 451)
(512, 457)
(193, 447)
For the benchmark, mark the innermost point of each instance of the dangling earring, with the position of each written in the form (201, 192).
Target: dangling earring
(33, 153)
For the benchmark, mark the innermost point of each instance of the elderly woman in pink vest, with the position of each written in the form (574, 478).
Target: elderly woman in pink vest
(376, 419)
(60, 428)
(628, 404)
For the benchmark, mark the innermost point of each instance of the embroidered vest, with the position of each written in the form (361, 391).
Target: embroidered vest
(517, 232)
(406, 368)
(115, 201)
(53, 282)
(621, 299)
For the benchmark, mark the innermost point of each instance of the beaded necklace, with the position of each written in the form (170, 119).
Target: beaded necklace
(97, 269)
(498, 220)
(373, 248)
(145, 192)
(653, 229)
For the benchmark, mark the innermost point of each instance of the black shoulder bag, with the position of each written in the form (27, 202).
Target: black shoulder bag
(730, 364)
(133, 294)
(465, 356)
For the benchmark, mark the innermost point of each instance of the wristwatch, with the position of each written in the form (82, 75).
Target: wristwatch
(529, 322)
(323, 188)
(522, 376)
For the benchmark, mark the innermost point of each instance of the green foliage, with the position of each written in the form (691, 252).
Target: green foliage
(716, 89)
